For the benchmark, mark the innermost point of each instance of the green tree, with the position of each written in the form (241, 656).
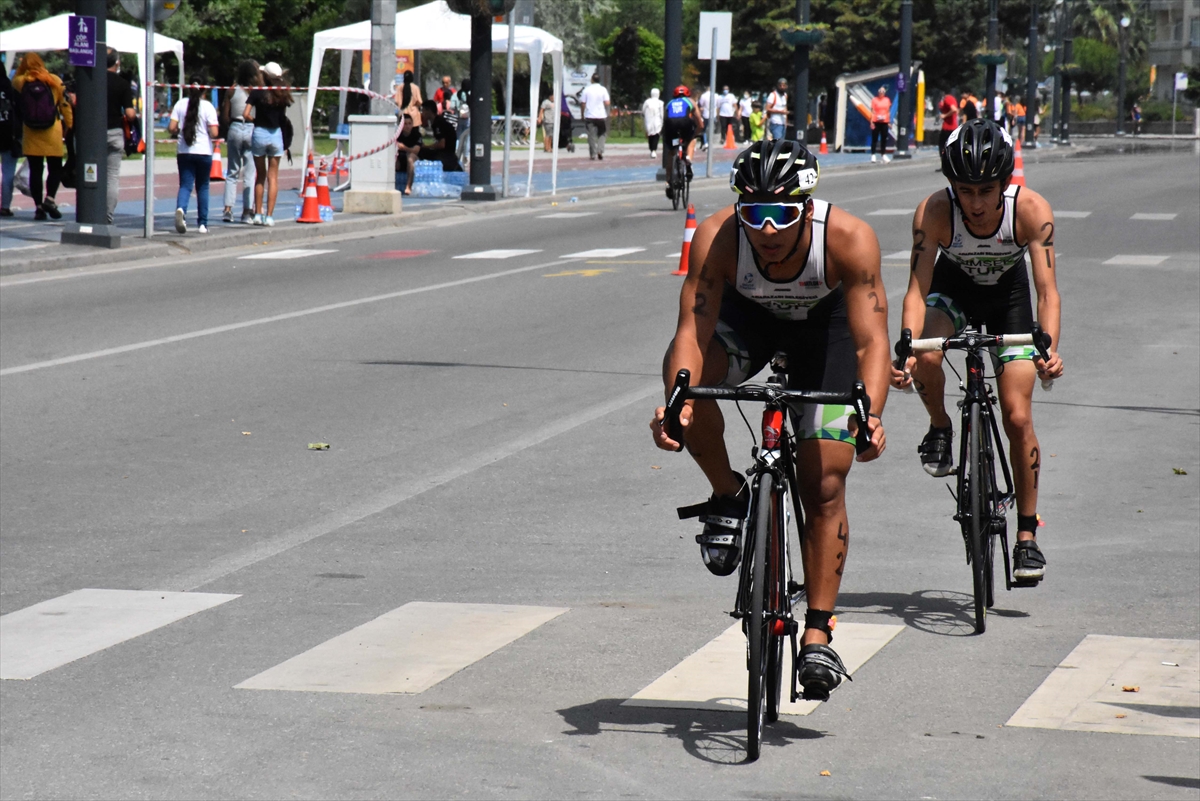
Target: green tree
(1096, 67)
(568, 20)
(636, 56)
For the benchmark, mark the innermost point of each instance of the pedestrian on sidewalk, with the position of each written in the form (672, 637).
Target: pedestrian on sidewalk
(881, 118)
(704, 105)
(1135, 116)
(652, 120)
(408, 96)
(267, 108)
(566, 124)
(757, 122)
(240, 163)
(119, 111)
(45, 116)
(463, 99)
(408, 149)
(10, 141)
(545, 118)
(726, 111)
(595, 103)
(745, 109)
(948, 110)
(194, 121)
(777, 112)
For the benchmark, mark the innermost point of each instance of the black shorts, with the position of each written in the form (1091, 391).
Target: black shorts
(820, 350)
(673, 129)
(1002, 308)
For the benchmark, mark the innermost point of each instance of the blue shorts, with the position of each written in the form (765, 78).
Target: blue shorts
(266, 142)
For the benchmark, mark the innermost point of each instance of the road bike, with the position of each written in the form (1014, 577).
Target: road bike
(981, 508)
(681, 182)
(767, 591)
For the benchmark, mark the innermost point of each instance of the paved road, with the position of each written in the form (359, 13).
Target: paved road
(492, 518)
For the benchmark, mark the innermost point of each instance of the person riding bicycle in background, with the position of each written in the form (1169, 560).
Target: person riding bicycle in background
(780, 270)
(681, 121)
(971, 243)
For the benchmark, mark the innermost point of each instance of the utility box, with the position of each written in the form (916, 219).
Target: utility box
(372, 178)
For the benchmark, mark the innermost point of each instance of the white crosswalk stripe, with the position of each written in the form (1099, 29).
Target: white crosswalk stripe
(286, 254)
(1123, 685)
(407, 650)
(1137, 260)
(496, 254)
(52, 633)
(890, 212)
(1071, 215)
(1149, 216)
(648, 214)
(899, 255)
(566, 215)
(715, 676)
(602, 253)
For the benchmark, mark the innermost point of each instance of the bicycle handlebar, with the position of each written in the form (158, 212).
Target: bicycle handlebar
(857, 398)
(973, 340)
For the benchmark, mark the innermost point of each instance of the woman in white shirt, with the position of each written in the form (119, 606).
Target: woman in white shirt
(652, 117)
(195, 121)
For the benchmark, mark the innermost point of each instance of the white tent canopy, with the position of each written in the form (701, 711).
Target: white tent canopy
(52, 34)
(434, 26)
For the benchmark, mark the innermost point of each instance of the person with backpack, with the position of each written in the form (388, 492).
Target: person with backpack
(267, 107)
(10, 141)
(45, 116)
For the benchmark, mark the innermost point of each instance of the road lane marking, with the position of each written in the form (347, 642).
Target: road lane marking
(566, 215)
(1161, 217)
(286, 254)
(714, 677)
(1086, 691)
(1137, 261)
(398, 254)
(890, 213)
(603, 253)
(53, 633)
(221, 329)
(381, 501)
(407, 650)
(496, 254)
(581, 273)
(899, 255)
(1072, 215)
(649, 214)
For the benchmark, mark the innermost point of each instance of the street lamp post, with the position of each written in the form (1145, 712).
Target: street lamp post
(1068, 45)
(1031, 87)
(672, 65)
(801, 90)
(904, 108)
(993, 43)
(1056, 100)
(1122, 33)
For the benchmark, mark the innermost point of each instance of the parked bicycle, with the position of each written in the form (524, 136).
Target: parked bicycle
(767, 591)
(982, 508)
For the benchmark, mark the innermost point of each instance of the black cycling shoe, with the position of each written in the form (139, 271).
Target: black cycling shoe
(670, 192)
(937, 451)
(721, 540)
(1029, 564)
(820, 671)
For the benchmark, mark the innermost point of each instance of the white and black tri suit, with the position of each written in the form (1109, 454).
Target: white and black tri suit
(803, 316)
(984, 280)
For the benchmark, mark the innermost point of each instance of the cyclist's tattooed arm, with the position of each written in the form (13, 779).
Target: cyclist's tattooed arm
(853, 259)
(930, 228)
(1035, 226)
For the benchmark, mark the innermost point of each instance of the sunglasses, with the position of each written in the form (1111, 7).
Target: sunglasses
(780, 215)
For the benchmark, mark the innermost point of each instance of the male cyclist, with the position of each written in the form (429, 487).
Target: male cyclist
(779, 270)
(971, 243)
(681, 121)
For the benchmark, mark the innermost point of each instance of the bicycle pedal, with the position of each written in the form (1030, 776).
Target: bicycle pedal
(1026, 582)
(815, 695)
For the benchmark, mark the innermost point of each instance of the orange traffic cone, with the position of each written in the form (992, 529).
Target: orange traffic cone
(688, 232)
(824, 144)
(217, 173)
(311, 213)
(1018, 176)
(324, 202)
(730, 144)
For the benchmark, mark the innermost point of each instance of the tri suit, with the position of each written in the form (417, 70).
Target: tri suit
(803, 316)
(983, 280)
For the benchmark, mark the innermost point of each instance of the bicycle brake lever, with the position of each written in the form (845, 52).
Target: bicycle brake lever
(903, 351)
(862, 413)
(671, 422)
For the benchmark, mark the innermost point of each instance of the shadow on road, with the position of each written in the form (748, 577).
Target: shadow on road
(1175, 781)
(716, 737)
(943, 612)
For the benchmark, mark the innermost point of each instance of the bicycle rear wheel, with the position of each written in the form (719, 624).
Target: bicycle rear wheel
(677, 182)
(687, 189)
(979, 528)
(757, 629)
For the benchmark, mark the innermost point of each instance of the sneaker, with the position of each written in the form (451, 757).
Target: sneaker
(937, 453)
(873, 158)
(247, 218)
(38, 214)
(180, 221)
(51, 208)
(202, 229)
(1029, 564)
(269, 221)
(886, 158)
(6, 213)
(600, 156)
(257, 219)
(227, 216)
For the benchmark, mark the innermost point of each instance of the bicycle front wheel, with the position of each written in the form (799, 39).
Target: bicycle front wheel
(777, 602)
(757, 630)
(979, 527)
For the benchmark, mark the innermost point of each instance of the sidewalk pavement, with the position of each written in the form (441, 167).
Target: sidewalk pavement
(29, 246)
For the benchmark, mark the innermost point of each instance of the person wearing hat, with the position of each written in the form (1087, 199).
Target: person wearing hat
(119, 109)
(266, 107)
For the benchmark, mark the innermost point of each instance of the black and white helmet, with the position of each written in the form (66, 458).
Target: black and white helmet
(977, 152)
(782, 168)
